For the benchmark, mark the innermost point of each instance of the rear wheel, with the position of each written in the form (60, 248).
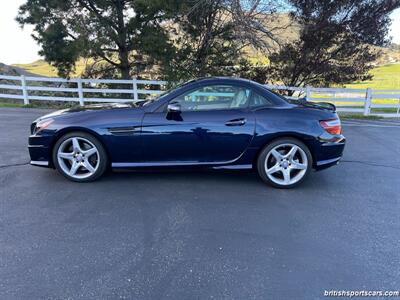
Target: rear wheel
(284, 163)
(79, 157)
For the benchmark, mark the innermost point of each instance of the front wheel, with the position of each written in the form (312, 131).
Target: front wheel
(79, 157)
(284, 163)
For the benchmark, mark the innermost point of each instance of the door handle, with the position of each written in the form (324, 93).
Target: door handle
(236, 122)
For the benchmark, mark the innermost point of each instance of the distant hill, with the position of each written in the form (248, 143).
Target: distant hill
(39, 67)
(15, 71)
(389, 55)
(42, 68)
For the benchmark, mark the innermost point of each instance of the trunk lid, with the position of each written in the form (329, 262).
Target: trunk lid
(316, 105)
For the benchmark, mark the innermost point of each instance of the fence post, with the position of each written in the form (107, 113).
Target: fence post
(24, 90)
(135, 90)
(308, 93)
(367, 105)
(334, 98)
(80, 92)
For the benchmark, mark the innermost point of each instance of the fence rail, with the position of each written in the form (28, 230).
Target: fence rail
(378, 102)
(28, 88)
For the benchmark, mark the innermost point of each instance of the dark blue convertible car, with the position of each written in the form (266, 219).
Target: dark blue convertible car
(211, 122)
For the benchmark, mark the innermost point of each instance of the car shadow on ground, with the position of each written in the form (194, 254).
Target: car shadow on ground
(189, 179)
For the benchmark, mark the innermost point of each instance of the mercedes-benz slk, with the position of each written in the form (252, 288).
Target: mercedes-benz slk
(211, 122)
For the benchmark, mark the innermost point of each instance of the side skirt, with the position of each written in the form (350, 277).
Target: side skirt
(181, 164)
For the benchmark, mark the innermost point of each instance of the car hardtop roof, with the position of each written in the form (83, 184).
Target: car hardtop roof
(222, 78)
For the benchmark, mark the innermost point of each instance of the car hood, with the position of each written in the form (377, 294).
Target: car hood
(88, 108)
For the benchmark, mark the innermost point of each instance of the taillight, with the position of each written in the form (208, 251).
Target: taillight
(331, 126)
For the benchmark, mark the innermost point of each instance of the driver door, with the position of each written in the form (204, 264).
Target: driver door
(211, 124)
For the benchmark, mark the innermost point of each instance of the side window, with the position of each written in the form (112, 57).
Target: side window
(258, 100)
(214, 97)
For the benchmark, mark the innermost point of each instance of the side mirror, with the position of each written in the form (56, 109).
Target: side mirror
(174, 108)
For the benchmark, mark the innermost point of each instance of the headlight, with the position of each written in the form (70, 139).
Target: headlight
(41, 125)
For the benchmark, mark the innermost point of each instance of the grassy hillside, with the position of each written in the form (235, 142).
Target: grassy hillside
(385, 77)
(14, 71)
(39, 67)
(42, 68)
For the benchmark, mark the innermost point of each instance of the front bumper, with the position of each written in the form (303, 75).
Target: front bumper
(39, 163)
(39, 150)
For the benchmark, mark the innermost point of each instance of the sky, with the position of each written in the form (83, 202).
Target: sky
(17, 46)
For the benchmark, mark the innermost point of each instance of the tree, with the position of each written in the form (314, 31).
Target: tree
(211, 37)
(336, 42)
(119, 37)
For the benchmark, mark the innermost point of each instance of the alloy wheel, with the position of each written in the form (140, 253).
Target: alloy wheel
(286, 164)
(78, 157)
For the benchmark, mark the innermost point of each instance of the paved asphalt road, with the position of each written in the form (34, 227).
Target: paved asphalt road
(200, 235)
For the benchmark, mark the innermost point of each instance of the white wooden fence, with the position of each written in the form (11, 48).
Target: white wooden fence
(75, 90)
(378, 102)
(384, 103)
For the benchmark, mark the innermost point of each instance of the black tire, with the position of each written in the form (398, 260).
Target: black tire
(261, 160)
(103, 158)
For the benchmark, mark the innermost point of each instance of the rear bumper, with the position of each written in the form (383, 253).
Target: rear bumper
(323, 164)
(329, 152)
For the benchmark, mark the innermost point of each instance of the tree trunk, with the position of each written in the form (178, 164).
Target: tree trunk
(124, 65)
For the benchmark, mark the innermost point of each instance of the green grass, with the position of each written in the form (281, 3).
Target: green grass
(345, 116)
(32, 105)
(384, 110)
(37, 104)
(385, 77)
(18, 105)
(6, 104)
